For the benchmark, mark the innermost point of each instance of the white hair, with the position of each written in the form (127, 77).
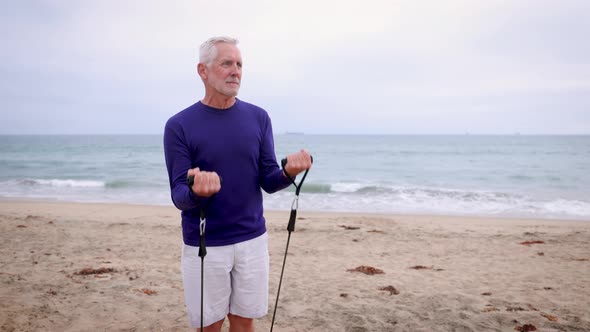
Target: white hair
(208, 51)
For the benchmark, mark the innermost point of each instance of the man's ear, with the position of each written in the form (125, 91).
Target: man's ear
(202, 71)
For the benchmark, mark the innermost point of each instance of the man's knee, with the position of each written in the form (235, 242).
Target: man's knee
(240, 321)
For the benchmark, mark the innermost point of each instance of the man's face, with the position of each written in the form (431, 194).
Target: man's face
(224, 74)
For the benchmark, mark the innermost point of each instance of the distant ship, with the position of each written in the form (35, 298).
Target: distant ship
(294, 133)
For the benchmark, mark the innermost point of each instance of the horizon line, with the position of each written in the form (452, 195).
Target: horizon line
(289, 133)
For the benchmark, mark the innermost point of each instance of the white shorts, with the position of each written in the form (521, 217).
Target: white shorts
(236, 281)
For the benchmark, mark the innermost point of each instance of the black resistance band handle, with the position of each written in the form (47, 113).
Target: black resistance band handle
(190, 180)
(293, 216)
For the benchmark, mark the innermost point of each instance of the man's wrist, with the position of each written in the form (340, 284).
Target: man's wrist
(285, 174)
(288, 176)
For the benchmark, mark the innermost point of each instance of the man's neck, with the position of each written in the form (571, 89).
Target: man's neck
(220, 102)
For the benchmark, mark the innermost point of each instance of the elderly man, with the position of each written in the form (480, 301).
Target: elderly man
(222, 137)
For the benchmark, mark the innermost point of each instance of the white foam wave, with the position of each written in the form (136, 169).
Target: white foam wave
(437, 201)
(346, 187)
(573, 207)
(344, 196)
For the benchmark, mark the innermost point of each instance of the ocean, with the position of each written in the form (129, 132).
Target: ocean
(472, 175)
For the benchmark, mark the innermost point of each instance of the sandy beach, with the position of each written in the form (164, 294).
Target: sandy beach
(105, 267)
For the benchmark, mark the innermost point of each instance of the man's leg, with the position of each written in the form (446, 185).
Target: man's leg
(240, 324)
(249, 279)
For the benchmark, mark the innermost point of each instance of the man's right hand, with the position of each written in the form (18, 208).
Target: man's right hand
(206, 183)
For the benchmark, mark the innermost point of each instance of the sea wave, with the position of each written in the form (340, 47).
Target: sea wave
(381, 188)
(315, 188)
(60, 183)
(357, 197)
(124, 184)
(337, 197)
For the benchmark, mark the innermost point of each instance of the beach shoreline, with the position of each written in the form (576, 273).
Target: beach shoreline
(271, 211)
(84, 266)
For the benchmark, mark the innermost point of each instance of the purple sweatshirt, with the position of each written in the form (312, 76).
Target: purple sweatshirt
(238, 144)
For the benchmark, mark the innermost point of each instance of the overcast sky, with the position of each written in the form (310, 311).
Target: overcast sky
(326, 67)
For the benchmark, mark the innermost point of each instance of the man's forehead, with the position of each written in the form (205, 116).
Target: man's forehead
(227, 50)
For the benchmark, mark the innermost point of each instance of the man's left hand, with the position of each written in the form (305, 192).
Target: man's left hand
(298, 162)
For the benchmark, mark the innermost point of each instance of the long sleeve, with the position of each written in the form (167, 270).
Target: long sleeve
(178, 162)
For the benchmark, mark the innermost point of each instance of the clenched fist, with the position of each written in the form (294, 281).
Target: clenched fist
(298, 162)
(206, 183)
